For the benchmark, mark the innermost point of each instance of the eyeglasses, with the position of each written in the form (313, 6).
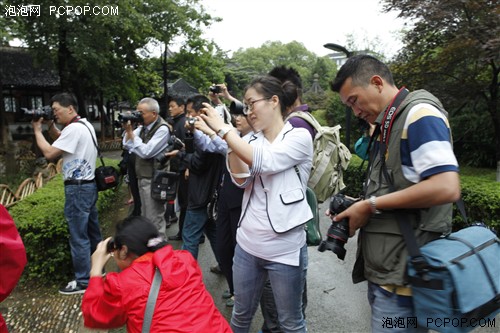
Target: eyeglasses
(249, 106)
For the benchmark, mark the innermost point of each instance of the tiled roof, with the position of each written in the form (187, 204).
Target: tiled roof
(18, 69)
(181, 88)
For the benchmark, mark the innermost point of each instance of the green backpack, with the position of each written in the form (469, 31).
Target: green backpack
(331, 158)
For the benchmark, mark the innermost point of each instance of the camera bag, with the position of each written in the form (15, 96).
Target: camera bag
(455, 280)
(164, 185)
(106, 177)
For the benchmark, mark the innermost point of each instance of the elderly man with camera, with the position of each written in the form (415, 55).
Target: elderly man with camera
(147, 142)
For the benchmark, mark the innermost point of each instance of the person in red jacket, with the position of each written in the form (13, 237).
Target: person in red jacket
(183, 303)
(12, 258)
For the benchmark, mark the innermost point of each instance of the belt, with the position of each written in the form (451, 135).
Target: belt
(77, 182)
(398, 290)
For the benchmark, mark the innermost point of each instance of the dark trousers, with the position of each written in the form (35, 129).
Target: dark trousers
(182, 200)
(133, 185)
(227, 223)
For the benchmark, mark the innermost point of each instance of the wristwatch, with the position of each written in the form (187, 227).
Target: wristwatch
(223, 131)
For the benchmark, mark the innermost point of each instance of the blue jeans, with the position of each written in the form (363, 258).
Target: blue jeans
(391, 312)
(250, 274)
(195, 222)
(80, 211)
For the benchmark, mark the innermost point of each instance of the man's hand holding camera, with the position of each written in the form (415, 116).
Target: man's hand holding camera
(357, 214)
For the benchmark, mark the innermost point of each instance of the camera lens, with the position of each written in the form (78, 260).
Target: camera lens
(338, 232)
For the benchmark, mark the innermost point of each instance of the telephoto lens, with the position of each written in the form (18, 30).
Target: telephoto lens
(338, 232)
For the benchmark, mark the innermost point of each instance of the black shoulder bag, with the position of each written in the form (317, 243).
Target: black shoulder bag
(106, 177)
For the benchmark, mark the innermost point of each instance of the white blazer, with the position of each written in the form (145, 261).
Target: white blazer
(274, 168)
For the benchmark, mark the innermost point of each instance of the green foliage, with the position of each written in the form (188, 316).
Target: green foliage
(480, 193)
(105, 56)
(245, 64)
(41, 224)
(354, 177)
(453, 52)
(200, 63)
(44, 231)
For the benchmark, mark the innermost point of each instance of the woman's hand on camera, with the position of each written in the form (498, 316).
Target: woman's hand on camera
(212, 118)
(100, 257)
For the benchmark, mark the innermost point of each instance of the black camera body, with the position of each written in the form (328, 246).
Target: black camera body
(215, 89)
(133, 117)
(338, 232)
(236, 108)
(173, 144)
(110, 246)
(44, 112)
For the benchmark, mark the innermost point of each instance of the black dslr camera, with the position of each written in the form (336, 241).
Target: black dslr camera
(338, 233)
(44, 112)
(173, 144)
(134, 117)
(215, 89)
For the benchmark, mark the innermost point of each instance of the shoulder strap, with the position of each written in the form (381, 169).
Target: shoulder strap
(150, 305)
(95, 143)
(307, 116)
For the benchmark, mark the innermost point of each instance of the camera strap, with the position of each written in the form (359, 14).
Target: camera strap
(383, 132)
(95, 143)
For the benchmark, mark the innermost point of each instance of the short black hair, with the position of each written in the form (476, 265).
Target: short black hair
(177, 99)
(197, 101)
(65, 99)
(361, 68)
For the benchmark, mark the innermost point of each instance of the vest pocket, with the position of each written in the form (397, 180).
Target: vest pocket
(292, 196)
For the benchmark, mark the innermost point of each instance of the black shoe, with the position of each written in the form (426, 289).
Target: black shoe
(73, 288)
(175, 238)
(173, 219)
(202, 240)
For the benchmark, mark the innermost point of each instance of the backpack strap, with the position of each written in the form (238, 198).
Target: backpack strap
(307, 116)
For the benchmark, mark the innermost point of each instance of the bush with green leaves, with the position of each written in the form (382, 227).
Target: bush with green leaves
(40, 221)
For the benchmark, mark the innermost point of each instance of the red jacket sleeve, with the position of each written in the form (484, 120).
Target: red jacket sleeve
(102, 303)
(12, 254)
